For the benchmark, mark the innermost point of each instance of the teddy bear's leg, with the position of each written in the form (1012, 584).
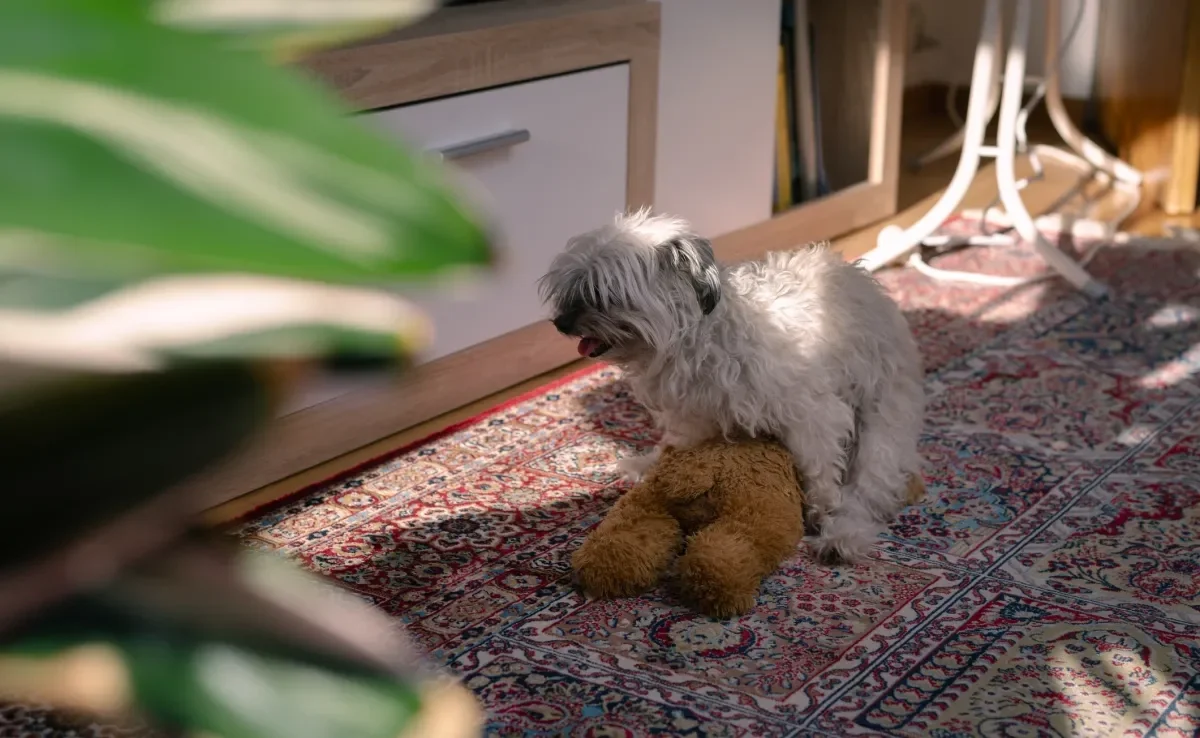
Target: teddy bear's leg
(721, 570)
(629, 550)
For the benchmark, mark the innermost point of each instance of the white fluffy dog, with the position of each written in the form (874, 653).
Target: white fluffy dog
(800, 346)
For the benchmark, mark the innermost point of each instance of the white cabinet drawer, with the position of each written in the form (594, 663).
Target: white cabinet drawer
(566, 178)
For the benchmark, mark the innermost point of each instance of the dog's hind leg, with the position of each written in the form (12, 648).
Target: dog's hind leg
(877, 482)
(818, 441)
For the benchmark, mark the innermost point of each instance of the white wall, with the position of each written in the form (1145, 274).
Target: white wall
(716, 111)
(950, 28)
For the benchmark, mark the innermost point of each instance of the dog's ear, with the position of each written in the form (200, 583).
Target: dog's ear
(693, 257)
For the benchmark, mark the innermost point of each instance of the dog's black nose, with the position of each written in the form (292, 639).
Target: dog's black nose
(564, 323)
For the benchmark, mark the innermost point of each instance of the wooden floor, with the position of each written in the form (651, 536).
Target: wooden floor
(918, 191)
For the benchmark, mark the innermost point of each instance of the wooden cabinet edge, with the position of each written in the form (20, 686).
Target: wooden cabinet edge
(517, 48)
(318, 434)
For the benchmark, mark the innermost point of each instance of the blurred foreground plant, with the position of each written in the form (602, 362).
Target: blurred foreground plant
(177, 217)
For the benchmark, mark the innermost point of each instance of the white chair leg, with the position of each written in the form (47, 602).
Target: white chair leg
(1082, 145)
(955, 141)
(895, 243)
(1010, 196)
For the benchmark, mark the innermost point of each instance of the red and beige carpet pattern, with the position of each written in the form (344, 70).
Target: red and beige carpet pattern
(1048, 586)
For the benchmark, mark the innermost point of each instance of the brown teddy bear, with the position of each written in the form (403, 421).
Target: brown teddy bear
(740, 506)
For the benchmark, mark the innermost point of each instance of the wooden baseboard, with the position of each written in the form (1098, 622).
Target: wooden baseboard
(820, 220)
(240, 505)
(357, 419)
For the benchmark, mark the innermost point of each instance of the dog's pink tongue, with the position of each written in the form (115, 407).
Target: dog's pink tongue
(587, 346)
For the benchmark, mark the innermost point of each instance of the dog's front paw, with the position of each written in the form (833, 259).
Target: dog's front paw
(831, 554)
(814, 521)
(841, 541)
(633, 468)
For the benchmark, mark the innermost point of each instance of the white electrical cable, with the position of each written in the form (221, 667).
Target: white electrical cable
(952, 105)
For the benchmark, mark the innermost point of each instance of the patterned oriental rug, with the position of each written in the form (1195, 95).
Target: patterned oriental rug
(1049, 585)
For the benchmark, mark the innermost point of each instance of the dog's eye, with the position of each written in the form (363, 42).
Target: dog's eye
(573, 306)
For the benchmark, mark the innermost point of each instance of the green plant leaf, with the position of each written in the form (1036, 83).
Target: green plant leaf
(291, 27)
(142, 326)
(220, 642)
(137, 149)
(97, 446)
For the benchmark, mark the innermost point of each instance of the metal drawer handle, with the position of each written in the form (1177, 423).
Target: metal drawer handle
(482, 145)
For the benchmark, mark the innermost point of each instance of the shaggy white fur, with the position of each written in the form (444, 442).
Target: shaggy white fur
(800, 345)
